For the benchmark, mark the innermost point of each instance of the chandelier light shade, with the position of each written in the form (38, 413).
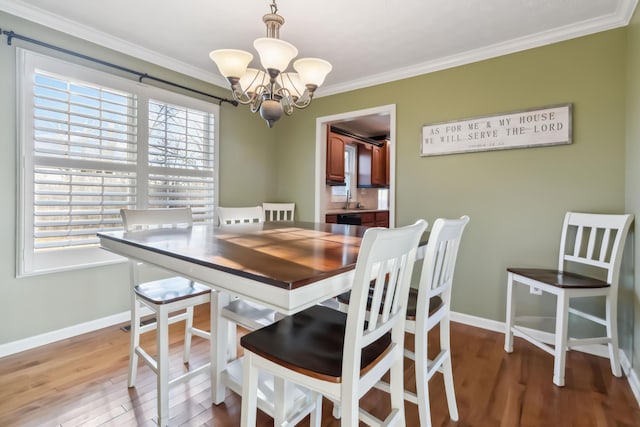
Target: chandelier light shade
(273, 90)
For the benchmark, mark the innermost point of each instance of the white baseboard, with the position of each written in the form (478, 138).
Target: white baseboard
(64, 333)
(597, 350)
(632, 376)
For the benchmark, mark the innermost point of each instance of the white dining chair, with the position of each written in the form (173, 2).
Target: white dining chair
(244, 313)
(591, 249)
(279, 211)
(171, 299)
(429, 306)
(240, 215)
(343, 355)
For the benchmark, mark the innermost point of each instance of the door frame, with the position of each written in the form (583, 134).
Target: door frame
(321, 156)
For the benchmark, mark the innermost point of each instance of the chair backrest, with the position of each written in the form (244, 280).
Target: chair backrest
(595, 240)
(234, 215)
(278, 211)
(436, 277)
(145, 218)
(384, 266)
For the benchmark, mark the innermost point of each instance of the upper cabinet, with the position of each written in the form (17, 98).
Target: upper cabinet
(372, 162)
(373, 169)
(335, 159)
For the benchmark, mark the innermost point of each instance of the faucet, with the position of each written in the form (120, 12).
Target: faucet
(346, 205)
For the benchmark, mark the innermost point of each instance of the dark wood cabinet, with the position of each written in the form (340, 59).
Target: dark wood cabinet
(335, 159)
(368, 219)
(387, 164)
(382, 219)
(378, 166)
(372, 166)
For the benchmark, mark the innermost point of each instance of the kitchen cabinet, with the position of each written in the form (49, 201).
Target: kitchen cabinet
(382, 219)
(367, 219)
(372, 166)
(387, 163)
(335, 159)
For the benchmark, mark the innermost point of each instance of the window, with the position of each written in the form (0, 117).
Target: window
(339, 193)
(91, 144)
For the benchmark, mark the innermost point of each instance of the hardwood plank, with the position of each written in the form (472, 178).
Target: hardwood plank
(83, 382)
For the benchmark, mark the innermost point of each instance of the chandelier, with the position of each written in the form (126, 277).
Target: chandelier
(274, 90)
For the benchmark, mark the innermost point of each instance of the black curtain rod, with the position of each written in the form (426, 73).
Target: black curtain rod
(11, 35)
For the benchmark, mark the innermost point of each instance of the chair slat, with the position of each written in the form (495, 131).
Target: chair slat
(593, 232)
(604, 247)
(391, 300)
(578, 243)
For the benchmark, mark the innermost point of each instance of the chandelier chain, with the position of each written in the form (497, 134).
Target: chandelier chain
(274, 7)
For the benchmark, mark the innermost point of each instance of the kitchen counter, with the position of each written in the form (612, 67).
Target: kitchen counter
(348, 211)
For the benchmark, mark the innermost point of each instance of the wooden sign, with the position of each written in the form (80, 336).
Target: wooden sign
(519, 129)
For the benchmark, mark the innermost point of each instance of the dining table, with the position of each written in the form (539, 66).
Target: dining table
(285, 266)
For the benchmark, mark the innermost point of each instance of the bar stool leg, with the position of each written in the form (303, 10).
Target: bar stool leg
(162, 342)
(135, 340)
(219, 343)
(188, 328)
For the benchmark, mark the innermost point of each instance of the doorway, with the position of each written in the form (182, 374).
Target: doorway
(368, 122)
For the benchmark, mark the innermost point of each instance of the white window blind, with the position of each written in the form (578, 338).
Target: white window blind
(84, 156)
(181, 159)
(91, 144)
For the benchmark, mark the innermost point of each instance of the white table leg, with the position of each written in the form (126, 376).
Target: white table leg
(219, 342)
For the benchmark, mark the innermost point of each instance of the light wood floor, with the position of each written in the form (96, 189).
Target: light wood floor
(82, 381)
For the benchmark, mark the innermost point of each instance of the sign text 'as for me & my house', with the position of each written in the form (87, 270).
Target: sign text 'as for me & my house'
(520, 129)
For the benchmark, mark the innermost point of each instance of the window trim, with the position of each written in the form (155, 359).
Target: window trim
(27, 262)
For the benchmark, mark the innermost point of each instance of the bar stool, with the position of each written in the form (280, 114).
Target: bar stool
(163, 297)
(343, 355)
(279, 211)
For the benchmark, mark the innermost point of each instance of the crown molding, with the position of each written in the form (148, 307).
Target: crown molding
(621, 17)
(56, 22)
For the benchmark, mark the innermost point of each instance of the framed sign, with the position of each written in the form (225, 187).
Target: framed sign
(519, 129)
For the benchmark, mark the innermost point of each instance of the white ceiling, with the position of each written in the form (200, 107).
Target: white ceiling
(367, 41)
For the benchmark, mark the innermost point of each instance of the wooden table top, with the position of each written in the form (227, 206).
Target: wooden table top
(284, 254)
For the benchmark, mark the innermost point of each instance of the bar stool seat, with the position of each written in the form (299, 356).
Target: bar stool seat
(311, 342)
(169, 291)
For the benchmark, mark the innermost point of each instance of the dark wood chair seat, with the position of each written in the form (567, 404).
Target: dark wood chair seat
(559, 279)
(434, 303)
(166, 291)
(310, 342)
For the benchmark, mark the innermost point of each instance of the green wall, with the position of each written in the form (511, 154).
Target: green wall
(632, 297)
(35, 305)
(516, 198)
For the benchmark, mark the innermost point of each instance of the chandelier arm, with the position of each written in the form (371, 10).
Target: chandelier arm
(306, 101)
(286, 100)
(243, 98)
(258, 97)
